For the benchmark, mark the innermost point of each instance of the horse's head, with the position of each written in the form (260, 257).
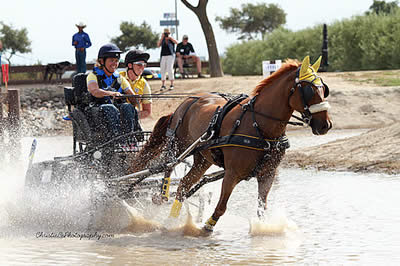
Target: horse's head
(308, 97)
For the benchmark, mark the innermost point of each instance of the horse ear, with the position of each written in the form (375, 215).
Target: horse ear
(304, 66)
(317, 64)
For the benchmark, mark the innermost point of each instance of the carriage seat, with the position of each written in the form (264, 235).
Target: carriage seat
(85, 119)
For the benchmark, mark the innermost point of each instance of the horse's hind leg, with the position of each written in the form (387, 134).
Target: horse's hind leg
(200, 166)
(228, 184)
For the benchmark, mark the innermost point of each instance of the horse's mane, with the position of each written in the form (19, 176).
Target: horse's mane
(287, 66)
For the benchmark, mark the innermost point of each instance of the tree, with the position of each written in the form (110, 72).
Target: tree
(14, 40)
(136, 36)
(253, 20)
(381, 7)
(201, 13)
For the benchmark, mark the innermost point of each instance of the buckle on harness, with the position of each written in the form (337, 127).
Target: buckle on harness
(267, 146)
(207, 138)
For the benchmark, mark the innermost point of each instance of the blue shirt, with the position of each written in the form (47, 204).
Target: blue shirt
(108, 80)
(83, 40)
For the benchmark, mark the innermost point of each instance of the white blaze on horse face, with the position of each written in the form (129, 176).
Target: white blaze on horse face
(320, 91)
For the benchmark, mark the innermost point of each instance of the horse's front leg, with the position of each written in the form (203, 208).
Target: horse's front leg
(264, 186)
(200, 166)
(228, 184)
(265, 178)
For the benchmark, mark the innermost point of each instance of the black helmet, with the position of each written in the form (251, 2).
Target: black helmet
(109, 50)
(135, 56)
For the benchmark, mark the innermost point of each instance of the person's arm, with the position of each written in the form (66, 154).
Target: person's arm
(88, 42)
(146, 103)
(94, 89)
(146, 110)
(191, 48)
(74, 43)
(178, 48)
(160, 40)
(172, 40)
(126, 86)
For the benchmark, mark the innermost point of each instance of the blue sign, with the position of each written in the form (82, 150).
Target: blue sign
(169, 22)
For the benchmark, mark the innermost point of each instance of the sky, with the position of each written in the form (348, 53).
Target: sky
(51, 23)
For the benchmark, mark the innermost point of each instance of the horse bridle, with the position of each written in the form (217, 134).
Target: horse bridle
(307, 92)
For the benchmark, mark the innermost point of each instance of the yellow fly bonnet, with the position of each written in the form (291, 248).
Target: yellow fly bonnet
(309, 73)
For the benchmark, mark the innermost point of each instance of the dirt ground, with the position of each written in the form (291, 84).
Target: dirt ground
(355, 105)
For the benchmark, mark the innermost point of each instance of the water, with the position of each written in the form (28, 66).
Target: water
(314, 217)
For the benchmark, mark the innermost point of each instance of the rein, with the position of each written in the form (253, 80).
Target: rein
(250, 106)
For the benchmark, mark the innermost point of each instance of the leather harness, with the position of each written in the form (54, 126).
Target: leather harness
(214, 142)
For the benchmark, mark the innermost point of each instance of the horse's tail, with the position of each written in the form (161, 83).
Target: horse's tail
(153, 146)
(158, 136)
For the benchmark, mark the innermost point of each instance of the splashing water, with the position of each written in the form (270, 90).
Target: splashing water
(276, 224)
(170, 227)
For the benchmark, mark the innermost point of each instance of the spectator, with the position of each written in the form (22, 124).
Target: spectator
(104, 84)
(135, 62)
(167, 60)
(81, 41)
(185, 53)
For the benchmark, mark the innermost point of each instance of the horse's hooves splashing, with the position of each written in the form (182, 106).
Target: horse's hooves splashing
(159, 199)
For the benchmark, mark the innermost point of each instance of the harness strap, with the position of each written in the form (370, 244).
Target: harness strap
(171, 132)
(220, 113)
(246, 142)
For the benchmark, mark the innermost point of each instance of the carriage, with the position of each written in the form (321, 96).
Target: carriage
(95, 159)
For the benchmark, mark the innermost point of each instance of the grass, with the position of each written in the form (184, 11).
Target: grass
(379, 78)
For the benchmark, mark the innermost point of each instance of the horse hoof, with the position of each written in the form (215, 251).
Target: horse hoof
(159, 199)
(207, 230)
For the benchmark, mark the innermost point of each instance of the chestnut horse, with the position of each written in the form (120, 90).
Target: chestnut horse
(294, 86)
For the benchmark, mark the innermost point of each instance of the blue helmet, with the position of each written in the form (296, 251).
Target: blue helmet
(109, 50)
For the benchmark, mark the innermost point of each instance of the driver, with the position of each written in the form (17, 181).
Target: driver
(104, 84)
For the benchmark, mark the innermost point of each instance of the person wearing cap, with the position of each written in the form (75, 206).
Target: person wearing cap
(167, 44)
(185, 52)
(81, 41)
(104, 84)
(135, 62)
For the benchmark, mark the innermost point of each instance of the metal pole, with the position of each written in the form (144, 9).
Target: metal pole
(176, 21)
(325, 64)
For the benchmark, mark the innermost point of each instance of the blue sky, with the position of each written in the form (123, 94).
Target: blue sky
(51, 23)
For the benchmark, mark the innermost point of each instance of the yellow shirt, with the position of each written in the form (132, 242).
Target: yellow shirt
(139, 87)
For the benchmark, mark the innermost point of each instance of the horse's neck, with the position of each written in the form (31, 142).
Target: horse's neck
(273, 102)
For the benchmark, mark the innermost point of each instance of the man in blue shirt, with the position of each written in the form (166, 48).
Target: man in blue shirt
(81, 41)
